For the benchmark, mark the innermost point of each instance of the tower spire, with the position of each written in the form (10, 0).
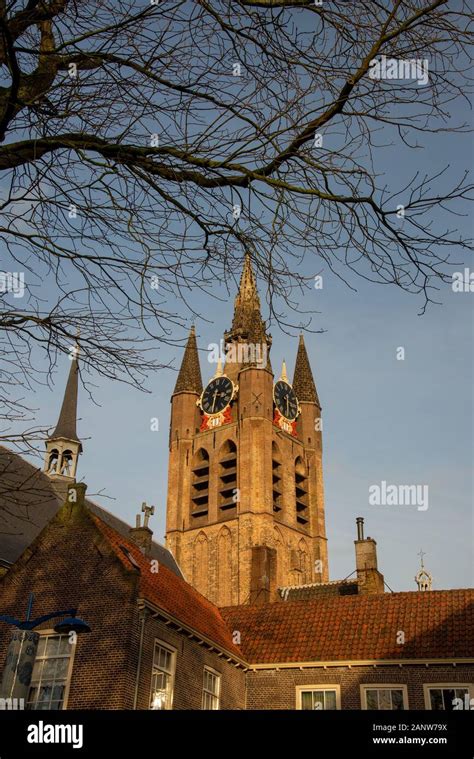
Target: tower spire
(63, 446)
(189, 376)
(247, 323)
(303, 382)
(66, 426)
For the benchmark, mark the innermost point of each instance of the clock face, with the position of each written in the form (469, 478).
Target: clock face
(286, 400)
(217, 395)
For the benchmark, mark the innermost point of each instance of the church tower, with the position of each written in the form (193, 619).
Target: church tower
(63, 446)
(245, 509)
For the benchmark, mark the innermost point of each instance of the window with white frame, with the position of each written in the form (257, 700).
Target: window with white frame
(448, 696)
(162, 676)
(384, 697)
(211, 689)
(318, 697)
(51, 672)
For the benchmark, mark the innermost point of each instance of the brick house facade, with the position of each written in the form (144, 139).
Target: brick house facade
(267, 656)
(76, 561)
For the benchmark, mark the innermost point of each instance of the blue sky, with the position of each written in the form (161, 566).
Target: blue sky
(403, 422)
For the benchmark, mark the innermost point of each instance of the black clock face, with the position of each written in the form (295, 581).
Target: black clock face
(286, 400)
(217, 395)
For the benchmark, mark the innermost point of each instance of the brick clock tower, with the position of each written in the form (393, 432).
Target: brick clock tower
(245, 509)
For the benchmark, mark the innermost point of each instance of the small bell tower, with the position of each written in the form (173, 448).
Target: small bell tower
(423, 578)
(63, 446)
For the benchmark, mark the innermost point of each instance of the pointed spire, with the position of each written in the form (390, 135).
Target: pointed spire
(189, 377)
(219, 370)
(303, 382)
(247, 322)
(284, 375)
(66, 426)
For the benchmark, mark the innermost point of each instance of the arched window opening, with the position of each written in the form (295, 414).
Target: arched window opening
(53, 461)
(200, 484)
(66, 464)
(277, 489)
(228, 493)
(301, 492)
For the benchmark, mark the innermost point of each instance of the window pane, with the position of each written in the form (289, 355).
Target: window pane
(318, 699)
(330, 697)
(448, 697)
(436, 699)
(52, 645)
(49, 669)
(64, 646)
(385, 702)
(371, 699)
(212, 683)
(306, 700)
(62, 668)
(397, 699)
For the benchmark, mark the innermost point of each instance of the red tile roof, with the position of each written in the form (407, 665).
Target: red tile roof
(437, 624)
(172, 594)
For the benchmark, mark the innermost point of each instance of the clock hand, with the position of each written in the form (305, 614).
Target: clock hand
(214, 401)
(287, 409)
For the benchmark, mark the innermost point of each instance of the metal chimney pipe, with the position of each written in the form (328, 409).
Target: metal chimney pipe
(360, 528)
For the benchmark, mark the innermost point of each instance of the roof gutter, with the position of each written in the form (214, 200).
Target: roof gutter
(360, 663)
(191, 632)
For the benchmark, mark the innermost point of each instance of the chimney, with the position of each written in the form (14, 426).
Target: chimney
(370, 580)
(141, 533)
(74, 507)
(263, 575)
(76, 493)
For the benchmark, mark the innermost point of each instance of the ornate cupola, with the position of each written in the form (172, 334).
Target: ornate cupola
(423, 578)
(63, 446)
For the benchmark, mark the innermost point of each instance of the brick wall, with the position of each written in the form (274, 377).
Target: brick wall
(271, 689)
(191, 658)
(70, 564)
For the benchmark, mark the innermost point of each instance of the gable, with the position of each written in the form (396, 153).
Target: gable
(28, 501)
